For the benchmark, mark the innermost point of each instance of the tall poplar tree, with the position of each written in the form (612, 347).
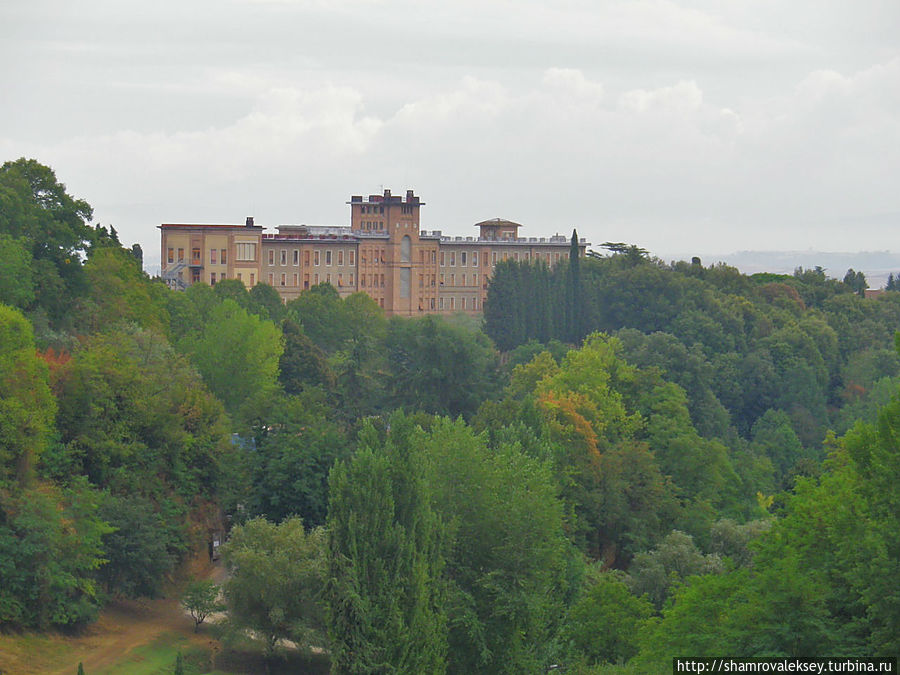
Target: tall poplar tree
(385, 592)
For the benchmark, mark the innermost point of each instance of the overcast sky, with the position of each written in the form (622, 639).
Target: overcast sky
(684, 126)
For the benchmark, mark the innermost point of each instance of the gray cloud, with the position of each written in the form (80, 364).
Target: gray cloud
(682, 126)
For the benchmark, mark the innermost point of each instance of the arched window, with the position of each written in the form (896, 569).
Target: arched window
(405, 246)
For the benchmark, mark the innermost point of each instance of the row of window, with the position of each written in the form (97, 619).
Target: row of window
(462, 303)
(337, 280)
(467, 259)
(315, 257)
(246, 252)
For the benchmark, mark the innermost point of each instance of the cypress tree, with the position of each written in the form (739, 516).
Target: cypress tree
(573, 294)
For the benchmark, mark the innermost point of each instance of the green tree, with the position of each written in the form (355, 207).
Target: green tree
(656, 573)
(237, 354)
(385, 594)
(50, 549)
(27, 407)
(121, 291)
(36, 210)
(16, 282)
(276, 576)
(139, 551)
(507, 554)
(440, 367)
(134, 417)
(294, 454)
(604, 622)
(302, 364)
(266, 303)
(200, 599)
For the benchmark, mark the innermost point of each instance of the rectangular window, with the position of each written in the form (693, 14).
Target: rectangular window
(475, 259)
(296, 279)
(195, 256)
(223, 257)
(352, 260)
(452, 302)
(442, 259)
(382, 281)
(212, 278)
(362, 280)
(213, 256)
(474, 279)
(328, 257)
(171, 255)
(433, 277)
(328, 278)
(463, 282)
(421, 256)
(421, 281)
(405, 280)
(340, 280)
(340, 258)
(271, 279)
(296, 257)
(271, 257)
(306, 281)
(239, 277)
(453, 280)
(316, 258)
(475, 303)
(464, 303)
(316, 279)
(516, 256)
(283, 257)
(246, 253)
(484, 258)
(306, 258)
(462, 258)
(494, 257)
(253, 278)
(283, 279)
(195, 276)
(452, 258)
(442, 303)
(351, 280)
(433, 256)
(180, 255)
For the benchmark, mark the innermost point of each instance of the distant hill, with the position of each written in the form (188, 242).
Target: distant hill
(876, 265)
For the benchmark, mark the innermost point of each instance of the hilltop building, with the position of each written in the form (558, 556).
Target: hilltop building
(406, 270)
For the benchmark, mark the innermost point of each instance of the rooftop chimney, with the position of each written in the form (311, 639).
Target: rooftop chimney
(249, 221)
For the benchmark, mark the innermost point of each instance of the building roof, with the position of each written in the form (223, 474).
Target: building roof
(497, 221)
(193, 226)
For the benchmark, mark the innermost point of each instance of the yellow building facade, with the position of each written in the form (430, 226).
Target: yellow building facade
(384, 253)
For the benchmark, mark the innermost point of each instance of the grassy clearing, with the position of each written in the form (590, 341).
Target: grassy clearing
(144, 638)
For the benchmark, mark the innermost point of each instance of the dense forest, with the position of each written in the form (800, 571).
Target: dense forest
(630, 460)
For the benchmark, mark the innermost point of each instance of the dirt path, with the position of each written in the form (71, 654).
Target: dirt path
(123, 626)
